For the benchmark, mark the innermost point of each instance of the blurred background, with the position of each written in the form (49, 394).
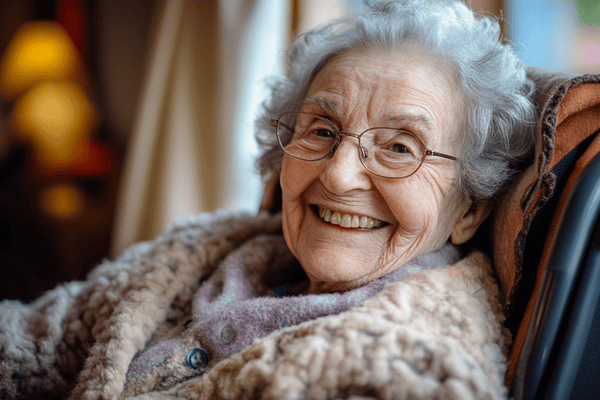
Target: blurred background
(118, 117)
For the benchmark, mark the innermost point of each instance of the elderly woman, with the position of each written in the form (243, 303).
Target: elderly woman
(391, 135)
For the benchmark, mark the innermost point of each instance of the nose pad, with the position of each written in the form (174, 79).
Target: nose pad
(363, 153)
(333, 149)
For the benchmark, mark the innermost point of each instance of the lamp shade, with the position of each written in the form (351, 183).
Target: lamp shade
(55, 117)
(38, 51)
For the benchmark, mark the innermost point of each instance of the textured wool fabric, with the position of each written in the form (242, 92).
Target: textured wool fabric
(436, 334)
(234, 307)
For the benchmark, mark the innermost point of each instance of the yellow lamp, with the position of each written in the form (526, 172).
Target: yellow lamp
(55, 116)
(38, 51)
(62, 201)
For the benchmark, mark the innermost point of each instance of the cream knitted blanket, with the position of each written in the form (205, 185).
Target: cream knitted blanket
(436, 334)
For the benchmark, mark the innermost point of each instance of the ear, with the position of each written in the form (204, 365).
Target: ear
(467, 224)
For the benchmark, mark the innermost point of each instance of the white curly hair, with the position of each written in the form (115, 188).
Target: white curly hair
(498, 132)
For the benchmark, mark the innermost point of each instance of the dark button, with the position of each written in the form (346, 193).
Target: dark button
(227, 334)
(197, 359)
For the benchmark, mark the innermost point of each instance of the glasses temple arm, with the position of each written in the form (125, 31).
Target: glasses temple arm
(277, 123)
(436, 154)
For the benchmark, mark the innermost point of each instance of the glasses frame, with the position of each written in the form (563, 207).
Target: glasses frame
(338, 139)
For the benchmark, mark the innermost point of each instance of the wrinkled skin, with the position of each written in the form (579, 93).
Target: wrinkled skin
(358, 90)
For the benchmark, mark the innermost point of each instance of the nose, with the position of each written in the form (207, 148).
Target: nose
(344, 172)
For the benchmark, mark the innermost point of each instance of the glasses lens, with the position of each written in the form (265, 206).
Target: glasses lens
(392, 153)
(306, 136)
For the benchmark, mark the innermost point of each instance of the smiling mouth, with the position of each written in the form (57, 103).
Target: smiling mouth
(347, 220)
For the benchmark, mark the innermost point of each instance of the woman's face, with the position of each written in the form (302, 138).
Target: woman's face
(356, 91)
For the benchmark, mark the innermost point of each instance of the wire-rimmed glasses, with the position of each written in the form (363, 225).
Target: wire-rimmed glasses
(385, 152)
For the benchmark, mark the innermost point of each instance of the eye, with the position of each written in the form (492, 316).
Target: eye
(324, 133)
(396, 142)
(399, 148)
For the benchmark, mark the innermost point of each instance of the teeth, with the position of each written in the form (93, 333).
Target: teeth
(336, 218)
(348, 220)
(363, 222)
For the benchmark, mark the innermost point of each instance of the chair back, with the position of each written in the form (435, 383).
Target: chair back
(528, 237)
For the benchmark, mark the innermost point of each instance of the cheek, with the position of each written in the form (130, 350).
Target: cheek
(296, 176)
(421, 205)
(413, 205)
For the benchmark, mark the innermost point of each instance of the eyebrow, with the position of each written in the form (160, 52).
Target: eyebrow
(413, 119)
(326, 105)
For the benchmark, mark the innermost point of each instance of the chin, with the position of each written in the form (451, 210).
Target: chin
(334, 275)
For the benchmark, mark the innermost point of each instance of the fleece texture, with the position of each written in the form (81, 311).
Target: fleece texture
(436, 334)
(235, 306)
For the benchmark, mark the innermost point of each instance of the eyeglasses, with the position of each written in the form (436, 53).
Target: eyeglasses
(385, 152)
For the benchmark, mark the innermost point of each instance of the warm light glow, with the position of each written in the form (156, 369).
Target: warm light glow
(55, 116)
(62, 201)
(38, 51)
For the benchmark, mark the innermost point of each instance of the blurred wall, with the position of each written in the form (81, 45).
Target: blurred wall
(556, 34)
(57, 181)
(121, 36)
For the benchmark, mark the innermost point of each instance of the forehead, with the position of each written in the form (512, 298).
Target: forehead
(384, 87)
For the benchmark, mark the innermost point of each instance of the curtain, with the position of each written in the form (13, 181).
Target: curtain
(191, 148)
